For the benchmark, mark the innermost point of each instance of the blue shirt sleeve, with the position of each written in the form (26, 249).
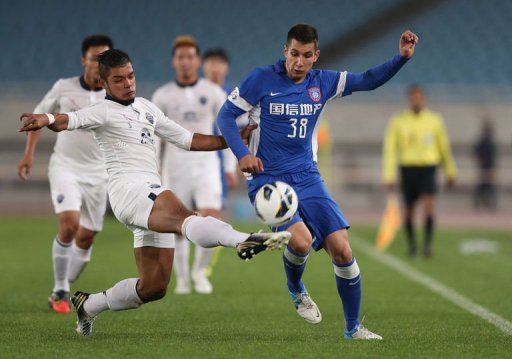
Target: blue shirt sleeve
(226, 121)
(250, 89)
(330, 80)
(374, 77)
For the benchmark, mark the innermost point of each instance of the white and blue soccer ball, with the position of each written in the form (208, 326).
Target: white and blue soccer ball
(276, 203)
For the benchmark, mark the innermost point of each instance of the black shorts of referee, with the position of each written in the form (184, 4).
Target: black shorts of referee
(417, 181)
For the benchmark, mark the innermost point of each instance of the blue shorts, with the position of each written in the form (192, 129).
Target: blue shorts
(317, 209)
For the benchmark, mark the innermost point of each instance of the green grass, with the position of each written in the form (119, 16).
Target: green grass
(250, 314)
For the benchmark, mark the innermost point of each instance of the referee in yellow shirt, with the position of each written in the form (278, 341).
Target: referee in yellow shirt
(416, 143)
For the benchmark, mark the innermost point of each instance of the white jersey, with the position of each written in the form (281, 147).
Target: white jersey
(195, 108)
(77, 150)
(126, 135)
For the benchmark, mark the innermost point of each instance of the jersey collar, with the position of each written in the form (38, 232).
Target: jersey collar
(86, 87)
(279, 67)
(121, 102)
(190, 85)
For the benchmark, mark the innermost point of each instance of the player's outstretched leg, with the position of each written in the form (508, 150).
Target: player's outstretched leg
(154, 266)
(348, 282)
(294, 258)
(169, 215)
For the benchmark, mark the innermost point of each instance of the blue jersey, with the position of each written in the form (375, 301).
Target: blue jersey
(287, 114)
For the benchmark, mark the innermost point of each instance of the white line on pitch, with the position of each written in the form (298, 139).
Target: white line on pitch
(435, 286)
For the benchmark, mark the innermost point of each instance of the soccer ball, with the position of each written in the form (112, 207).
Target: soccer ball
(276, 203)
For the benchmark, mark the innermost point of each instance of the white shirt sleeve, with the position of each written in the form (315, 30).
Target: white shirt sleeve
(172, 132)
(88, 117)
(50, 102)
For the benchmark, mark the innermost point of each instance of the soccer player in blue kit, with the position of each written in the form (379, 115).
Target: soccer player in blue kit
(285, 100)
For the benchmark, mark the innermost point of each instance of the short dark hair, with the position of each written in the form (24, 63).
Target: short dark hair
(110, 59)
(96, 40)
(303, 33)
(185, 40)
(415, 88)
(217, 52)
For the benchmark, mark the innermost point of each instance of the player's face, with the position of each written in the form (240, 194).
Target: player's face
(300, 59)
(215, 69)
(120, 83)
(186, 62)
(90, 62)
(417, 100)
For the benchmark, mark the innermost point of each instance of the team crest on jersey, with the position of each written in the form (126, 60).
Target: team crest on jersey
(150, 118)
(60, 198)
(315, 94)
(203, 100)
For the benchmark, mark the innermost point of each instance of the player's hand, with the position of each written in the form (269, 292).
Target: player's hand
(450, 183)
(408, 41)
(24, 167)
(250, 164)
(33, 122)
(246, 132)
(231, 179)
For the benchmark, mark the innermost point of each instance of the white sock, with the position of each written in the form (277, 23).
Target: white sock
(209, 232)
(79, 259)
(202, 258)
(123, 295)
(60, 255)
(181, 258)
(96, 303)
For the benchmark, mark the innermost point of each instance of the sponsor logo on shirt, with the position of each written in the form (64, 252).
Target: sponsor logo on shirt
(292, 109)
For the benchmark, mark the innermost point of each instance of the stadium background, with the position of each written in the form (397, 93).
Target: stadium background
(463, 61)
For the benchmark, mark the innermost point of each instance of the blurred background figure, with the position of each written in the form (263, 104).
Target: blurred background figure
(216, 67)
(195, 177)
(416, 141)
(484, 152)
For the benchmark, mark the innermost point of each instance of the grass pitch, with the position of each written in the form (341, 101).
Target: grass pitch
(250, 313)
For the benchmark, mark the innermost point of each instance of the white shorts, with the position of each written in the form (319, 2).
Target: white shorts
(198, 186)
(71, 192)
(132, 202)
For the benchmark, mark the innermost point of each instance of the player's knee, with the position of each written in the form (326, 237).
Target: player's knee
(158, 291)
(301, 244)
(152, 291)
(84, 242)
(67, 230)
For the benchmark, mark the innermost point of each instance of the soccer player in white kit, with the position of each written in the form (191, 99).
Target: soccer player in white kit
(125, 127)
(195, 177)
(76, 172)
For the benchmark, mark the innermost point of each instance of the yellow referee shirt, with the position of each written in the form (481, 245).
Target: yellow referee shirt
(416, 140)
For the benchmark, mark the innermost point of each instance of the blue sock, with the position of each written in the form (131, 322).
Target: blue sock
(294, 265)
(348, 282)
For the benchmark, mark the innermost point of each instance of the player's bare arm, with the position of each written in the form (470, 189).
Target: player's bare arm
(34, 122)
(25, 164)
(202, 142)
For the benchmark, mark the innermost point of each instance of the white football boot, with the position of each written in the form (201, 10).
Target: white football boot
(361, 332)
(201, 283)
(306, 308)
